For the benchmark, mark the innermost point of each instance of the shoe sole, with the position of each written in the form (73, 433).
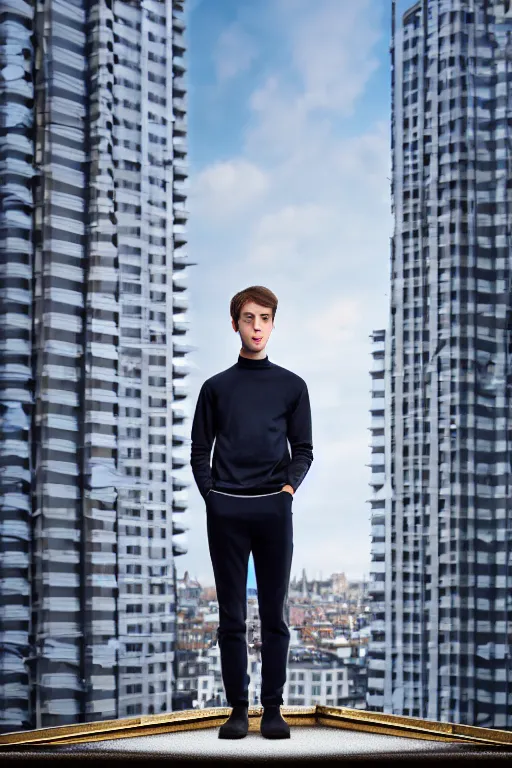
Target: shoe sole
(275, 735)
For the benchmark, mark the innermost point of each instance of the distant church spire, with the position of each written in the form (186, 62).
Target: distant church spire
(304, 583)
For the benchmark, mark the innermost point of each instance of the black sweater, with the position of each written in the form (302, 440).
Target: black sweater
(251, 409)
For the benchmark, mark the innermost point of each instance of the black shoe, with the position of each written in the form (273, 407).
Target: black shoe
(272, 724)
(237, 724)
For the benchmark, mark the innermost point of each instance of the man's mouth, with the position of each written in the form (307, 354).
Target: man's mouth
(257, 338)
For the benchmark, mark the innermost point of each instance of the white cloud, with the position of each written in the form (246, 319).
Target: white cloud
(331, 47)
(224, 189)
(282, 238)
(235, 52)
(308, 208)
(340, 318)
(332, 44)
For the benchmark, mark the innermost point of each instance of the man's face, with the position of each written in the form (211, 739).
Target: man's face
(255, 323)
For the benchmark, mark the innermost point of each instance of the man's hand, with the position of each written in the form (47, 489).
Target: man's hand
(288, 488)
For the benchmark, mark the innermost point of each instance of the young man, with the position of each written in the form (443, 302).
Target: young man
(251, 409)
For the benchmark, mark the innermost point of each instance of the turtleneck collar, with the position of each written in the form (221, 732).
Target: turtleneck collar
(246, 362)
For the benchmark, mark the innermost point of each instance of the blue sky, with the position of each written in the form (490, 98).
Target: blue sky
(289, 113)
(213, 136)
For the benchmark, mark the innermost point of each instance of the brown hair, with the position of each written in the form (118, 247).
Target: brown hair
(257, 293)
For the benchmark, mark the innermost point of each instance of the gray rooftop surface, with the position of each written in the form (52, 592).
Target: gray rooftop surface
(307, 744)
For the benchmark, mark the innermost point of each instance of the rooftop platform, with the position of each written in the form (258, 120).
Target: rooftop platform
(324, 735)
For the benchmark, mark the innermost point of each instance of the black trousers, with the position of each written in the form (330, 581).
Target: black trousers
(236, 526)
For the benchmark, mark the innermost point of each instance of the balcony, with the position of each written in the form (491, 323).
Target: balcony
(180, 169)
(178, 64)
(178, 39)
(179, 190)
(179, 103)
(180, 303)
(179, 549)
(180, 214)
(179, 328)
(180, 125)
(178, 24)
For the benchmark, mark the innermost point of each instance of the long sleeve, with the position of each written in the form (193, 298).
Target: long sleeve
(203, 435)
(300, 437)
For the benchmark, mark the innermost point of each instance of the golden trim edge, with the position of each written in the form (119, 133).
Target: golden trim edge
(192, 719)
(131, 726)
(447, 730)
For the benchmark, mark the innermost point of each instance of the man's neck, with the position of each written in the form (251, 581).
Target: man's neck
(253, 363)
(261, 354)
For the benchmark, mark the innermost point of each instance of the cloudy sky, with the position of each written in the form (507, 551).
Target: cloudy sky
(289, 107)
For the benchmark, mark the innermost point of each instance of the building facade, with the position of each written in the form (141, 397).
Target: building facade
(315, 677)
(92, 369)
(441, 648)
(381, 500)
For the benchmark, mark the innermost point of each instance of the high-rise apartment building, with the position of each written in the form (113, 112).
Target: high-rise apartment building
(381, 500)
(92, 322)
(441, 643)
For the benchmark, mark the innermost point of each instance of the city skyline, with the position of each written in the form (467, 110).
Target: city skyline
(251, 576)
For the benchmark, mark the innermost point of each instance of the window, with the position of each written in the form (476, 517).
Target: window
(134, 648)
